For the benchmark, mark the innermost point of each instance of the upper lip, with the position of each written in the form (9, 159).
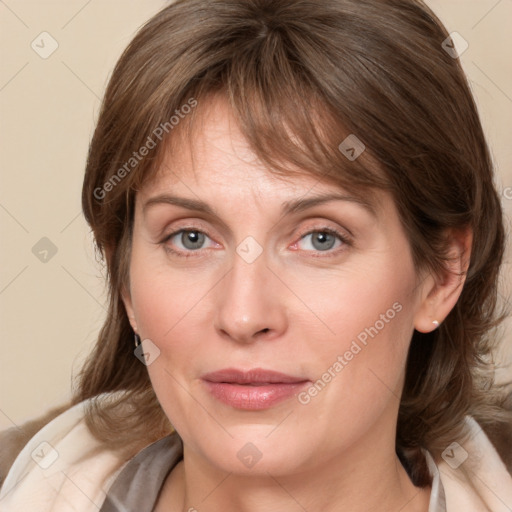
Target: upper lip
(254, 376)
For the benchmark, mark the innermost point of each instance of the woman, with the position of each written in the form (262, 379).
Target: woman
(295, 204)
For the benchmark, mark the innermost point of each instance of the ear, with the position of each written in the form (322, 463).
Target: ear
(127, 301)
(125, 293)
(440, 293)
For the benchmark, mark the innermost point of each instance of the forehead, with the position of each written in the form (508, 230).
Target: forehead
(210, 149)
(209, 153)
(212, 171)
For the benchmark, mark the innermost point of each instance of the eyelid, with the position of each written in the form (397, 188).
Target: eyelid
(326, 229)
(185, 253)
(183, 225)
(346, 241)
(192, 229)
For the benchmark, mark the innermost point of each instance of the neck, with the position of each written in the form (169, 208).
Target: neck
(359, 481)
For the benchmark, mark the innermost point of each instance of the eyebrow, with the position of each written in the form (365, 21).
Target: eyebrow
(292, 206)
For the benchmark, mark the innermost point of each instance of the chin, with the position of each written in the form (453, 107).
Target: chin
(258, 455)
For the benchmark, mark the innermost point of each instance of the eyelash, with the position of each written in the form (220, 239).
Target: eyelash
(317, 254)
(344, 239)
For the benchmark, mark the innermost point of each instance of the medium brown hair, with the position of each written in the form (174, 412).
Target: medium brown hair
(300, 76)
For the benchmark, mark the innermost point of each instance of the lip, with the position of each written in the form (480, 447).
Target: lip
(255, 389)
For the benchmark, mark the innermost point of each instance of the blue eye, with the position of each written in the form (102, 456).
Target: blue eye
(187, 240)
(322, 240)
(192, 239)
(190, 242)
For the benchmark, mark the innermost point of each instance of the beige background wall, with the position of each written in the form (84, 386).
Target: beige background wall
(51, 293)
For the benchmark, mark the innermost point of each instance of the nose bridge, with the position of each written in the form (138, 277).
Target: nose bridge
(248, 302)
(248, 279)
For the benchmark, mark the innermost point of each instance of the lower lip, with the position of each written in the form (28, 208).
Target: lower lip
(243, 396)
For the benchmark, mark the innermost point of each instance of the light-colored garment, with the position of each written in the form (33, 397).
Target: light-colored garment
(63, 468)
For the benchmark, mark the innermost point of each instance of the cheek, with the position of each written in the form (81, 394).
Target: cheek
(360, 337)
(172, 310)
(164, 299)
(168, 307)
(355, 304)
(358, 373)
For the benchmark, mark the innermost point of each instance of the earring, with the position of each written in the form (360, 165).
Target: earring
(436, 323)
(137, 339)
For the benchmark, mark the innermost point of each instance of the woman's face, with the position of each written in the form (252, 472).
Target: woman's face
(279, 316)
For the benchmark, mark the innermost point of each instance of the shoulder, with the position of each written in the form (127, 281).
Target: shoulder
(500, 435)
(14, 439)
(62, 467)
(473, 475)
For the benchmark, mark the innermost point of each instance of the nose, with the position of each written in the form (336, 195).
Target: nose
(250, 303)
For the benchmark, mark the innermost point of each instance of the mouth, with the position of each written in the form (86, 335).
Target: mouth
(255, 389)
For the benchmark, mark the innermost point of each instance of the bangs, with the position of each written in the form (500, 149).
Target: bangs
(290, 134)
(282, 112)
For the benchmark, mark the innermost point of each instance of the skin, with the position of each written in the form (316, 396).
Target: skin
(294, 309)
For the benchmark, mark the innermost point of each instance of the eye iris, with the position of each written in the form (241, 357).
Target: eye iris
(325, 241)
(192, 239)
(195, 239)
